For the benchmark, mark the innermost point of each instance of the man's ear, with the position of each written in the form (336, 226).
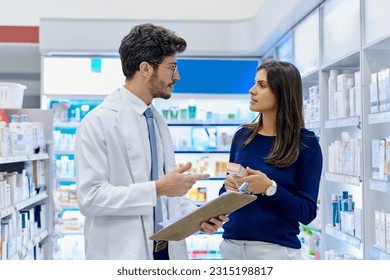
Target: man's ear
(146, 69)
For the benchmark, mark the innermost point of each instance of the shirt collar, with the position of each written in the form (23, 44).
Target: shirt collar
(138, 105)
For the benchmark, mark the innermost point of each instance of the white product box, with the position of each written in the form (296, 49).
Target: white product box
(382, 159)
(374, 93)
(387, 156)
(358, 222)
(380, 225)
(332, 88)
(375, 158)
(387, 230)
(236, 169)
(38, 137)
(358, 83)
(11, 95)
(384, 90)
(348, 222)
(4, 140)
(342, 81)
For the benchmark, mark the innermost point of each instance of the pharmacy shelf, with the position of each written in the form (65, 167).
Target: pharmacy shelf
(343, 122)
(42, 195)
(66, 178)
(313, 125)
(342, 178)
(66, 124)
(63, 230)
(4, 212)
(377, 118)
(23, 158)
(379, 254)
(381, 186)
(64, 152)
(67, 205)
(345, 237)
(21, 253)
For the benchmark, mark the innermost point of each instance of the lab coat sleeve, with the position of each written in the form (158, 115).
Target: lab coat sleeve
(95, 171)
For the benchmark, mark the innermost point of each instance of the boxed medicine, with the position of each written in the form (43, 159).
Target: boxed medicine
(236, 169)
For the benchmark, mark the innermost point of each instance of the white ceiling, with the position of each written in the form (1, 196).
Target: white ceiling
(211, 27)
(27, 12)
(222, 29)
(257, 24)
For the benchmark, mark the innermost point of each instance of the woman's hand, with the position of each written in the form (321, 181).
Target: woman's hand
(258, 181)
(232, 182)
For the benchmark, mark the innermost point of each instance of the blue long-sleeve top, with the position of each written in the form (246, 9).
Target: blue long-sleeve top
(276, 218)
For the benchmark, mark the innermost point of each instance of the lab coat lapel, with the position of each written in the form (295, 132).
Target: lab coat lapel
(129, 122)
(135, 143)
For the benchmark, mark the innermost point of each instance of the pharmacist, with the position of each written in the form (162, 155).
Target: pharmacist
(116, 190)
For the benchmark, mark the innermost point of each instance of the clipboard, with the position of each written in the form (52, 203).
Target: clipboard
(188, 225)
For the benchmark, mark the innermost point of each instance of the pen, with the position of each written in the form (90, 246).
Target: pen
(243, 188)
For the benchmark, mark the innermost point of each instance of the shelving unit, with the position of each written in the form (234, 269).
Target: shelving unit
(69, 222)
(353, 37)
(342, 168)
(376, 124)
(69, 239)
(27, 218)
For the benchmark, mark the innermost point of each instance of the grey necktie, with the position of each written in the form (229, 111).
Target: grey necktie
(154, 172)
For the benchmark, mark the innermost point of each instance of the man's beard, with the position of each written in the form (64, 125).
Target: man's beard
(158, 89)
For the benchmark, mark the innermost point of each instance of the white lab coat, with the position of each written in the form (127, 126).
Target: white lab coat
(114, 190)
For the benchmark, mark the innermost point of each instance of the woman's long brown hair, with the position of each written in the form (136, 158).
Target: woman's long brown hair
(286, 84)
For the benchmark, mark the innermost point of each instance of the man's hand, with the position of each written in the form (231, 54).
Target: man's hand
(212, 225)
(178, 183)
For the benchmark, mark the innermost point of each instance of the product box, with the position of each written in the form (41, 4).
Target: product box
(348, 222)
(387, 230)
(382, 159)
(383, 90)
(358, 94)
(11, 95)
(387, 156)
(358, 222)
(375, 158)
(236, 169)
(374, 96)
(342, 81)
(380, 236)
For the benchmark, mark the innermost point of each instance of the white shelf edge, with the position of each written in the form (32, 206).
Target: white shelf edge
(378, 185)
(12, 159)
(59, 152)
(342, 178)
(31, 200)
(20, 254)
(58, 124)
(379, 254)
(343, 122)
(351, 240)
(377, 118)
(4, 212)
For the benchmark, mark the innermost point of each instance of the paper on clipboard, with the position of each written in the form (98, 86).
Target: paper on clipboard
(189, 224)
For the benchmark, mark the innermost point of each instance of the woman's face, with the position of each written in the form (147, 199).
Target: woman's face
(262, 98)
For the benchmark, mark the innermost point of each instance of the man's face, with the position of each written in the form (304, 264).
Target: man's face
(162, 82)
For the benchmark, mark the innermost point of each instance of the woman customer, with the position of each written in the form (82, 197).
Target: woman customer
(283, 161)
